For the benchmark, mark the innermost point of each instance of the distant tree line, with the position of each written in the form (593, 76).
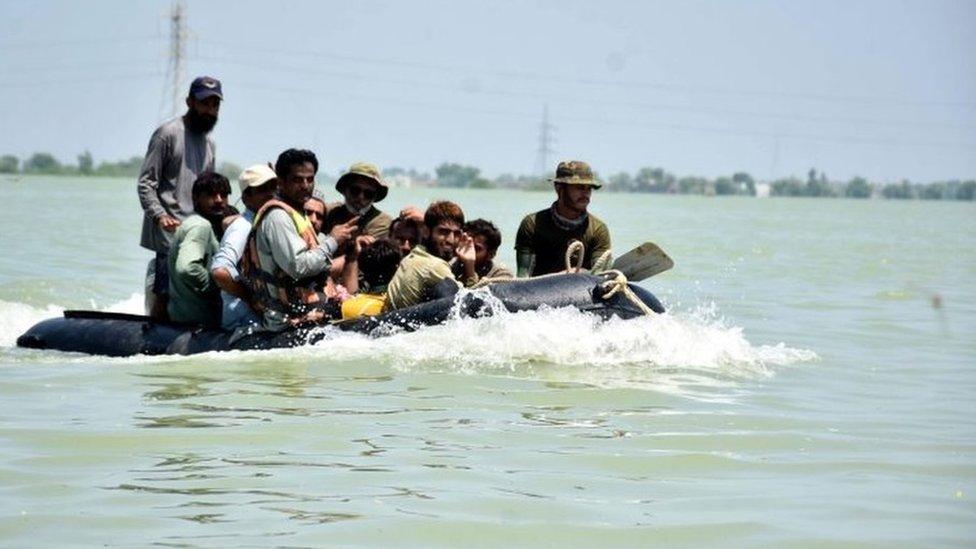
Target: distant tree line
(42, 163)
(644, 180)
(658, 180)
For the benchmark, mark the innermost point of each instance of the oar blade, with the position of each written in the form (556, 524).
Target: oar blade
(643, 262)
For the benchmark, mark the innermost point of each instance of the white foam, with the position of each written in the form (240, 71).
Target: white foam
(691, 352)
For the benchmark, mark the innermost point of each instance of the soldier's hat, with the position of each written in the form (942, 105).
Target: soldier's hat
(367, 170)
(575, 172)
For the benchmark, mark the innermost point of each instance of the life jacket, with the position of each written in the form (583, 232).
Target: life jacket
(293, 298)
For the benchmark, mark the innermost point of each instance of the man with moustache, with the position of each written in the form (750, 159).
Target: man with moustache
(544, 236)
(179, 150)
(286, 265)
(361, 187)
(427, 264)
(194, 297)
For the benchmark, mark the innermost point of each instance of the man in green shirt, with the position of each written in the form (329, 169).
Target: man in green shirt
(194, 297)
(427, 264)
(544, 236)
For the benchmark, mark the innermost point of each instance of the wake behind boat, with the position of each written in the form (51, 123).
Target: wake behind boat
(111, 334)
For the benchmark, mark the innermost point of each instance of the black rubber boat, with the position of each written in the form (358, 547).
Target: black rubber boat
(114, 334)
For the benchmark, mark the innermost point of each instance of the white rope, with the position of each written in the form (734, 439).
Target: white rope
(619, 284)
(574, 247)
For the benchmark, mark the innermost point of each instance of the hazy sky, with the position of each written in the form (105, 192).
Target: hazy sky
(884, 89)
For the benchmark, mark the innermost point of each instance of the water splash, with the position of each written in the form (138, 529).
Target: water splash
(693, 351)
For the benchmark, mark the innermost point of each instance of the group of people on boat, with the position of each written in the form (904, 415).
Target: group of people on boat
(291, 257)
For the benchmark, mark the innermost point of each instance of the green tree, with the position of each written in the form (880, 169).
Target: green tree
(42, 163)
(456, 175)
(790, 186)
(901, 191)
(934, 191)
(9, 163)
(692, 185)
(745, 182)
(967, 191)
(858, 188)
(725, 186)
(122, 168)
(620, 182)
(85, 163)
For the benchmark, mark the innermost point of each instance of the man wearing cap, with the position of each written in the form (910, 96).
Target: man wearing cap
(544, 236)
(361, 187)
(179, 150)
(258, 185)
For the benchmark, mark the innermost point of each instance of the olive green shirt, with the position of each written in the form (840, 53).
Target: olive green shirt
(374, 222)
(416, 277)
(539, 235)
(194, 298)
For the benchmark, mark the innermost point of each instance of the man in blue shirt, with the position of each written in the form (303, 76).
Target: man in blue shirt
(258, 184)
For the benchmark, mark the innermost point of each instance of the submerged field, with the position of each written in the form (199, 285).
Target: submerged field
(812, 382)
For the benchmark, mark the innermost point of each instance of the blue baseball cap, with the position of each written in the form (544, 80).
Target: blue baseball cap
(204, 87)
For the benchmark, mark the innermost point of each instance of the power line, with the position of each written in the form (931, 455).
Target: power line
(562, 78)
(177, 54)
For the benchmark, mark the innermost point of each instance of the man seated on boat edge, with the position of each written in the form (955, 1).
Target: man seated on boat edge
(487, 238)
(377, 261)
(194, 298)
(427, 264)
(179, 150)
(258, 185)
(544, 236)
(285, 265)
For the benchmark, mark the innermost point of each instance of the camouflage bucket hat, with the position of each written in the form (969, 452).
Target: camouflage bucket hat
(575, 172)
(367, 170)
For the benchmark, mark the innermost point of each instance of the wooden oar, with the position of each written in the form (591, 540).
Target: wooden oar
(643, 262)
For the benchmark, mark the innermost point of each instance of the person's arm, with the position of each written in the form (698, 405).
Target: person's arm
(524, 250)
(290, 252)
(350, 270)
(191, 259)
(148, 186)
(223, 267)
(600, 243)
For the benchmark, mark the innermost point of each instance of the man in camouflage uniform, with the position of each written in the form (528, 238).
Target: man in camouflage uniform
(544, 236)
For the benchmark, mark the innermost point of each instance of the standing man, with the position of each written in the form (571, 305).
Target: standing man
(361, 187)
(258, 185)
(179, 151)
(544, 236)
(286, 265)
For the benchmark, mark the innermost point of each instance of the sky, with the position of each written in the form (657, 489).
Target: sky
(880, 89)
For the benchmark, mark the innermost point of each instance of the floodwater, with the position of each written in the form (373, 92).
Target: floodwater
(813, 383)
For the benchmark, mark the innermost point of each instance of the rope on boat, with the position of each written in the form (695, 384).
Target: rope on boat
(618, 284)
(574, 247)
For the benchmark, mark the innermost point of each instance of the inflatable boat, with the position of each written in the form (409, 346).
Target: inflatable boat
(113, 334)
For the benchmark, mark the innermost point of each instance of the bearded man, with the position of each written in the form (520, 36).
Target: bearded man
(179, 151)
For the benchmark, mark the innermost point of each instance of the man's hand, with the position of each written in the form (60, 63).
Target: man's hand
(464, 250)
(167, 223)
(362, 241)
(342, 233)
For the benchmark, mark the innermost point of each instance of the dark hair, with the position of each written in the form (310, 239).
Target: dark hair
(486, 229)
(378, 262)
(320, 200)
(443, 210)
(210, 183)
(294, 157)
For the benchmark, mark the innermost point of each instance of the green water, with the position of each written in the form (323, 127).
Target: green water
(805, 389)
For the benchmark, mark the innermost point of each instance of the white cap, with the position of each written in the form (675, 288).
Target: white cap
(255, 176)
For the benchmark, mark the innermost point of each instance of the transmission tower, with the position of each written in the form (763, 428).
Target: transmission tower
(176, 68)
(545, 143)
